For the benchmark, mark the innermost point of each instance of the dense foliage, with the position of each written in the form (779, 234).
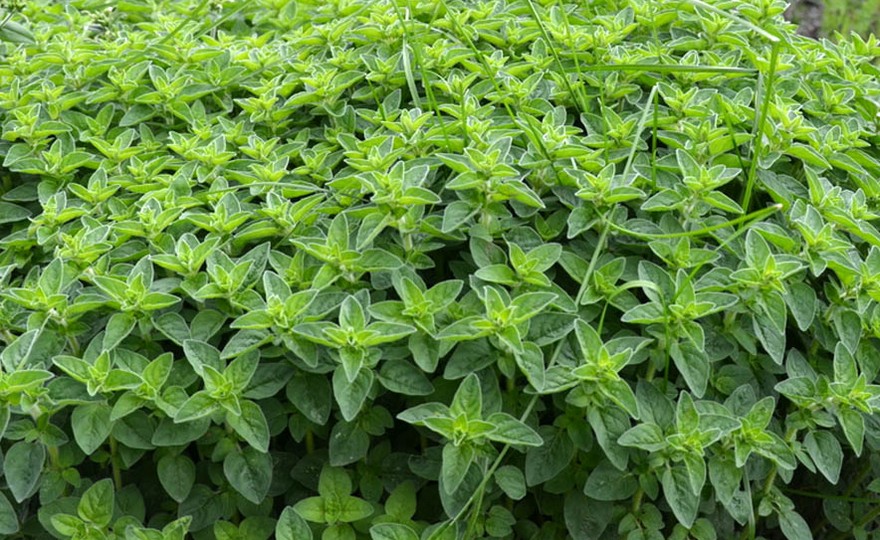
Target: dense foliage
(403, 269)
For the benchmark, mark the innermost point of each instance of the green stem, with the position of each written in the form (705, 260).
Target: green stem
(758, 214)
(472, 523)
(310, 442)
(74, 345)
(114, 463)
(790, 435)
(759, 128)
(563, 73)
(812, 495)
(666, 352)
(54, 457)
(642, 122)
(652, 370)
(426, 82)
(407, 242)
(768, 483)
(749, 531)
(637, 500)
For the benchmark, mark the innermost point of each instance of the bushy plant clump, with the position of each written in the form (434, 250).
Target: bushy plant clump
(412, 269)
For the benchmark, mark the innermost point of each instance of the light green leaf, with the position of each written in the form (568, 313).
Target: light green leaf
(351, 509)
(23, 467)
(198, 406)
(793, 526)
(552, 457)
(392, 531)
(91, 426)
(97, 503)
(291, 526)
(509, 430)
(468, 399)
(177, 474)
(456, 462)
(823, 448)
(607, 483)
(801, 301)
(201, 354)
(511, 481)
(531, 363)
(646, 436)
(118, 328)
(679, 494)
(692, 364)
(311, 509)
(334, 481)
(351, 315)
(8, 517)
(853, 424)
(402, 377)
(251, 425)
(311, 395)
(249, 472)
(351, 395)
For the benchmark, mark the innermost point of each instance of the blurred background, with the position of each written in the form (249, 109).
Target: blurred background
(822, 19)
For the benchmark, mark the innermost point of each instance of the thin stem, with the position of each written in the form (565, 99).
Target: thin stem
(759, 128)
(732, 133)
(114, 463)
(656, 120)
(642, 121)
(54, 456)
(310, 442)
(812, 495)
(758, 214)
(637, 499)
(667, 68)
(562, 71)
(749, 531)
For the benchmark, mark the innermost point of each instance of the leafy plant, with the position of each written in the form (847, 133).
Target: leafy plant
(418, 270)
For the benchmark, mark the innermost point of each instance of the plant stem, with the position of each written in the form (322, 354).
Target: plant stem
(759, 129)
(114, 463)
(637, 500)
(54, 457)
(812, 495)
(310, 442)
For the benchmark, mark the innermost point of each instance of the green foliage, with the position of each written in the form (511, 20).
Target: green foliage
(843, 17)
(421, 270)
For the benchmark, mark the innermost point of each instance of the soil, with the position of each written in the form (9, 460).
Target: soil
(807, 14)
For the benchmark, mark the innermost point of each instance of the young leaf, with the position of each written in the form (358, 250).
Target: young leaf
(23, 468)
(97, 503)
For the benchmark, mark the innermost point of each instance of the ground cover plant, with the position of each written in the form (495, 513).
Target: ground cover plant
(408, 269)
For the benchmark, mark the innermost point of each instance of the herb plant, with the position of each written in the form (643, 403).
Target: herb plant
(436, 270)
